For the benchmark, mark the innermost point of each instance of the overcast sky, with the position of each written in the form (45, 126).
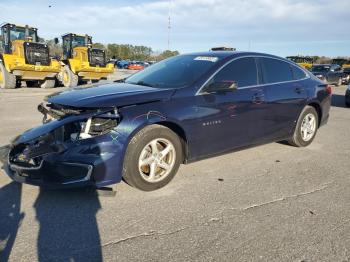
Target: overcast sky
(281, 27)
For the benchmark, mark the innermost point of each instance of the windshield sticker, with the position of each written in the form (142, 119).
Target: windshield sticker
(207, 58)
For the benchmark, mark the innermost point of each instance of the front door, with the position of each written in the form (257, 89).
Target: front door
(229, 118)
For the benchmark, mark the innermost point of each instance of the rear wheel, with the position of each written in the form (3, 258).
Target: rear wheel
(69, 79)
(152, 158)
(306, 128)
(48, 83)
(7, 80)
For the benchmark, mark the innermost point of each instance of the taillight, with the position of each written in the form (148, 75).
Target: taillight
(329, 89)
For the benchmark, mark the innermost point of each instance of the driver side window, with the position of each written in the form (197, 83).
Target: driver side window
(241, 73)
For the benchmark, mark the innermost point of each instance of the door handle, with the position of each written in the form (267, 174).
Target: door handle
(258, 99)
(298, 90)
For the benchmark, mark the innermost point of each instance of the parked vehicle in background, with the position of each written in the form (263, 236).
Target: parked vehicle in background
(347, 96)
(180, 110)
(343, 62)
(136, 66)
(23, 58)
(81, 62)
(346, 76)
(304, 61)
(329, 73)
(122, 64)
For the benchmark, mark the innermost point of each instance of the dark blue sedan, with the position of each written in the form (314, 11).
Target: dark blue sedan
(180, 110)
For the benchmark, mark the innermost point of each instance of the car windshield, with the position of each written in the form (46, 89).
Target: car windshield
(174, 72)
(347, 70)
(320, 68)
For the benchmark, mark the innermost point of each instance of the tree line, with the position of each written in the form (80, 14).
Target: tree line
(120, 51)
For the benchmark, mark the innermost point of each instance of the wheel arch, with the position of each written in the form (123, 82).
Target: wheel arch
(318, 109)
(173, 126)
(177, 129)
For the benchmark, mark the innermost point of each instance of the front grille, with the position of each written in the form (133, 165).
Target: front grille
(97, 57)
(36, 54)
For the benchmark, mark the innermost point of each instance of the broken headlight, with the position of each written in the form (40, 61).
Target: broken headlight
(96, 126)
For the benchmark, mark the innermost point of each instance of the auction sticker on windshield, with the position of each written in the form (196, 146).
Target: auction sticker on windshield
(206, 58)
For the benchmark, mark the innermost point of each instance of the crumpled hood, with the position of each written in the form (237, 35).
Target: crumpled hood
(109, 95)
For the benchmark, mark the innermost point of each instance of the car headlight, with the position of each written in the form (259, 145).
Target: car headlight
(94, 126)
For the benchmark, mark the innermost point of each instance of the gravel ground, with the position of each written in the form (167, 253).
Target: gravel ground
(269, 203)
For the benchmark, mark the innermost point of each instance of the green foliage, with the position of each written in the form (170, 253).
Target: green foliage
(129, 52)
(119, 51)
(166, 54)
(99, 46)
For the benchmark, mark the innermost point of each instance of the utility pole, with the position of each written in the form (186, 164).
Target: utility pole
(169, 24)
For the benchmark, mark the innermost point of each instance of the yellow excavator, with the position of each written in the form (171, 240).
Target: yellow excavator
(81, 62)
(23, 58)
(344, 63)
(304, 61)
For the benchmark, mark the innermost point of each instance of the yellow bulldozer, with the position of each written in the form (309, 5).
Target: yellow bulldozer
(304, 61)
(23, 58)
(81, 62)
(344, 63)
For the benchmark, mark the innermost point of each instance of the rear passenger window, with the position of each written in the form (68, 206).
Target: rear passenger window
(242, 71)
(275, 71)
(298, 73)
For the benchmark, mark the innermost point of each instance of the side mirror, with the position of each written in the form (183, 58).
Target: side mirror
(56, 40)
(221, 86)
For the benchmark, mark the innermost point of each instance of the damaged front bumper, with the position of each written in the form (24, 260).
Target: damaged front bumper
(74, 149)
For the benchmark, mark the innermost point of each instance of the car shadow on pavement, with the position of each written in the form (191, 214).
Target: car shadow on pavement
(338, 100)
(10, 217)
(68, 226)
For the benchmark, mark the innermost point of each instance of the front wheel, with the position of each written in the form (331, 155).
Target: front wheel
(306, 128)
(152, 158)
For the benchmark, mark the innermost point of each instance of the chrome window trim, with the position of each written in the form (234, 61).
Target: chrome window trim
(307, 76)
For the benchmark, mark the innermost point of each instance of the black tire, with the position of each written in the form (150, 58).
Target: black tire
(7, 80)
(48, 83)
(347, 103)
(297, 139)
(68, 78)
(131, 172)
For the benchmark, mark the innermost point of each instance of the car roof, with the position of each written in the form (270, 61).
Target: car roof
(228, 54)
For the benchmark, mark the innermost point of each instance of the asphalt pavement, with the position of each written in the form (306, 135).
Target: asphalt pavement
(269, 203)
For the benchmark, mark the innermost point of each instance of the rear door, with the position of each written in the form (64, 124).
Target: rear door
(285, 96)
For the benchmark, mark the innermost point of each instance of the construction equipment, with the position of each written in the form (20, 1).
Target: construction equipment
(304, 61)
(344, 63)
(23, 58)
(81, 62)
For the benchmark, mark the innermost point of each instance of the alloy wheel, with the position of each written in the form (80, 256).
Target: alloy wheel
(308, 127)
(157, 160)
